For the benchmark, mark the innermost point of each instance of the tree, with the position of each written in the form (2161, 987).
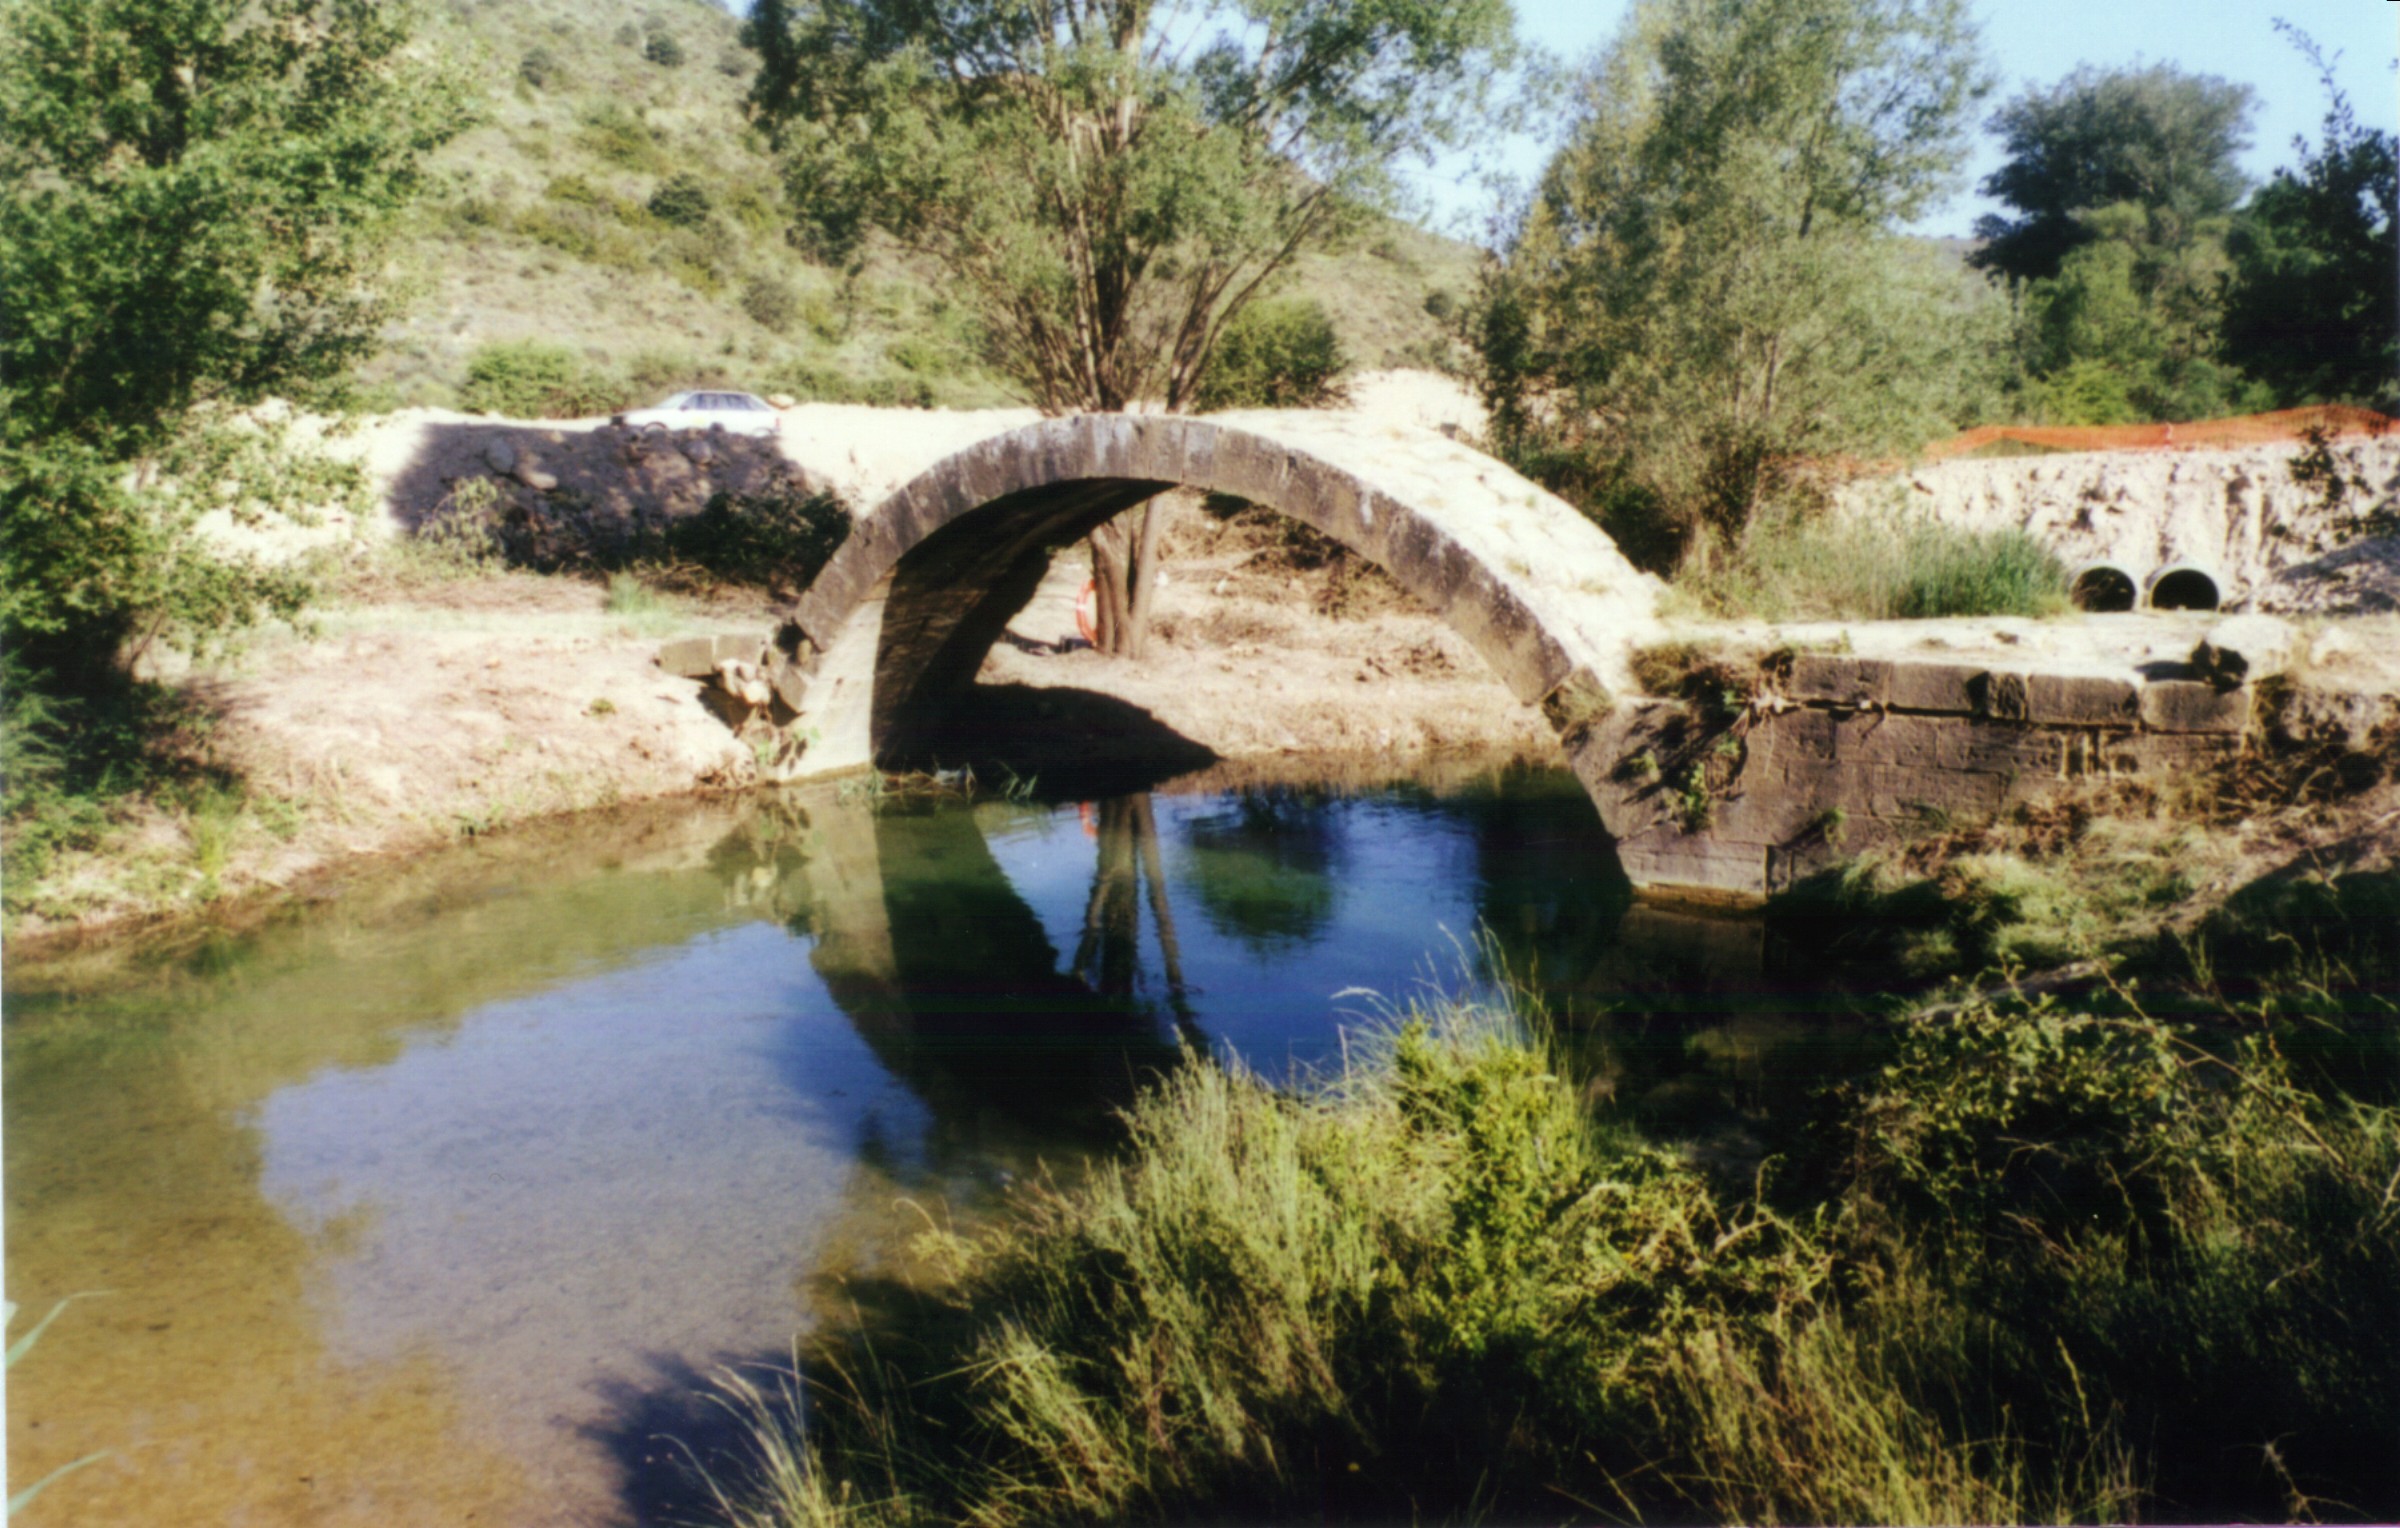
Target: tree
(1282, 353)
(2143, 318)
(1707, 285)
(1109, 181)
(195, 198)
(2125, 183)
(2313, 305)
(2159, 139)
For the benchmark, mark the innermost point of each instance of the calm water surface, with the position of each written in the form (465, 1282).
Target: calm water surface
(438, 1202)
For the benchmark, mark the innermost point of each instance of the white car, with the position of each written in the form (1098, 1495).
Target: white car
(736, 413)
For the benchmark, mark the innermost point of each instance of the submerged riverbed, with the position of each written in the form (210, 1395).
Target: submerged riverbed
(439, 1200)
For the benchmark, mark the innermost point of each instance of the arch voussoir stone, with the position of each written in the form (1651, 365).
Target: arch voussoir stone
(901, 617)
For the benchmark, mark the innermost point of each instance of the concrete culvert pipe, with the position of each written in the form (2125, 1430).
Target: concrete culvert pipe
(2103, 586)
(2181, 586)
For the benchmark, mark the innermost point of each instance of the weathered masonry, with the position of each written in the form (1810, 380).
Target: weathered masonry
(900, 620)
(1834, 753)
(1727, 797)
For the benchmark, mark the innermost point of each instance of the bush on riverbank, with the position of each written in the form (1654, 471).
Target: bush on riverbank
(1790, 567)
(2044, 1265)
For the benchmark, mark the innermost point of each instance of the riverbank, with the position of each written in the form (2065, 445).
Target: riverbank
(426, 708)
(2047, 1263)
(441, 697)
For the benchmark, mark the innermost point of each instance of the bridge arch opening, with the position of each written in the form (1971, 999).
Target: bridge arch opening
(898, 624)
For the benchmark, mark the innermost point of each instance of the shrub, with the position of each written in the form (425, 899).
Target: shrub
(538, 67)
(771, 303)
(681, 200)
(619, 136)
(663, 50)
(1277, 354)
(526, 379)
(461, 536)
(1789, 566)
(2159, 1214)
(775, 538)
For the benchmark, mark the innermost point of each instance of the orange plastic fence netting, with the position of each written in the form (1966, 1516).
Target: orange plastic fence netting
(2245, 430)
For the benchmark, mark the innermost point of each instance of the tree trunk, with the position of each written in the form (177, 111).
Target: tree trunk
(1125, 577)
(1108, 955)
(1111, 590)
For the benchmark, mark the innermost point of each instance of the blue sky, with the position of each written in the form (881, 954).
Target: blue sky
(2037, 42)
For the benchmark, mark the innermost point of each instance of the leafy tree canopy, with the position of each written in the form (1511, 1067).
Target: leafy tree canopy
(2156, 138)
(1278, 354)
(195, 197)
(1708, 283)
(1111, 179)
(2313, 306)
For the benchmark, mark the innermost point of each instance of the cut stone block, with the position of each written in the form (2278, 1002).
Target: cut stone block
(1834, 679)
(1944, 687)
(2081, 700)
(1999, 694)
(689, 657)
(2187, 705)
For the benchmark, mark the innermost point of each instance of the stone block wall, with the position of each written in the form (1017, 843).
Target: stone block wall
(1839, 753)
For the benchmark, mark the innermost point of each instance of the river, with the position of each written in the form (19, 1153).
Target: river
(439, 1199)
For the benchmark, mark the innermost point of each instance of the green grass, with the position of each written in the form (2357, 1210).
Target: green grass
(640, 607)
(1799, 568)
(2031, 890)
(2044, 1265)
(80, 773)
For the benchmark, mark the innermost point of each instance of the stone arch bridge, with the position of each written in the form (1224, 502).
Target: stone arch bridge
(1817, 754)
(899, 621)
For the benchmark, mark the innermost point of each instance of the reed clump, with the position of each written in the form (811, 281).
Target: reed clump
(2043, 1266)
(1791, 566)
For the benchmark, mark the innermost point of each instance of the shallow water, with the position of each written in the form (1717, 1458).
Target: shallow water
(438, 1201)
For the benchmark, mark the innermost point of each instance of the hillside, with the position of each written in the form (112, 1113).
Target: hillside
(547, 224)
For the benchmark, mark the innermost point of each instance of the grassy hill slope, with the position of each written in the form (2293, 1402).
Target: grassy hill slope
(548, 225)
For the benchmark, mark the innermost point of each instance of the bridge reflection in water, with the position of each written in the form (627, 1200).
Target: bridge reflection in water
(952, 980)
(1229, 925)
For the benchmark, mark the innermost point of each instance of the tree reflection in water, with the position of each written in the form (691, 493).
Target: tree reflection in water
(1108, 956)
(949, 975)
(1267, 866)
